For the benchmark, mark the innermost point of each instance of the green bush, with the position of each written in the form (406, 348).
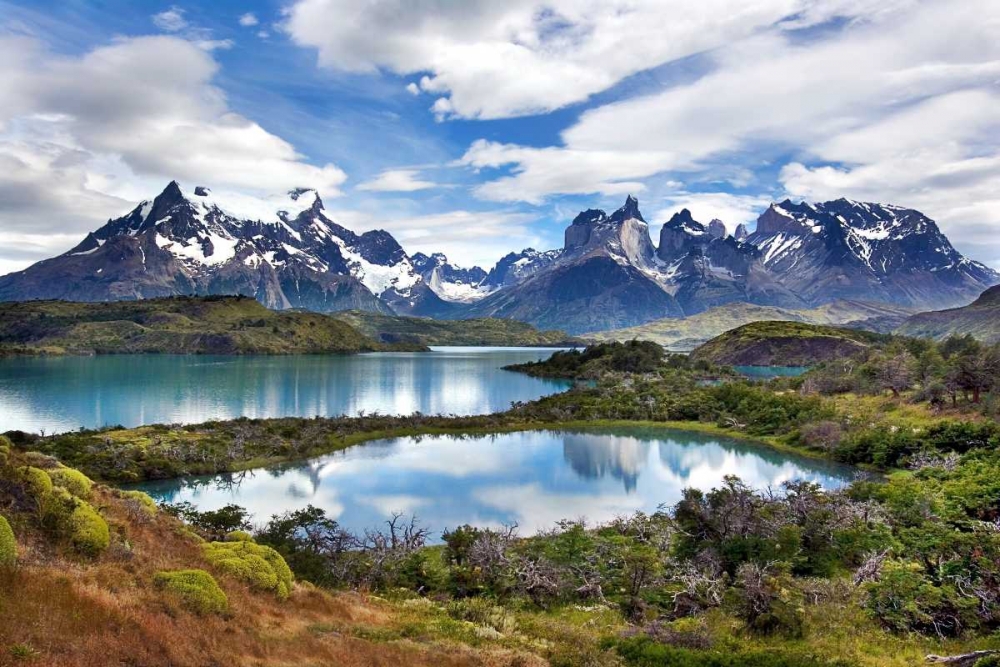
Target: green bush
(36, 482)
(197, 590)
(8, 544)
(72, 480)
(5, 444)
(143, 499)
(89, 532)
(239, 536)
(259, 566)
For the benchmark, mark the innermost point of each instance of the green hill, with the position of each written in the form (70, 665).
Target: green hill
(682, 334)
(424, 331)
(176, 325)
(784, 344)
(981, 319)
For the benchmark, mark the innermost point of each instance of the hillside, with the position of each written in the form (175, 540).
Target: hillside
(176, 325)
(424, 331)
(93, 576)
(981, 319)
(783, 344)
(687, 333)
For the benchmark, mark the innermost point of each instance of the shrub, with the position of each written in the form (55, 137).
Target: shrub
(197, 590)
(36, 482)
(72, 480)
(5, 444)
(259, 566)
(8, 545)
(239, 536)
(89, 532)
(141, 499)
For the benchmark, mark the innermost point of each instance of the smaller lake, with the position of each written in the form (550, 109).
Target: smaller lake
(56, 394)
(770, 372)
(531, 478)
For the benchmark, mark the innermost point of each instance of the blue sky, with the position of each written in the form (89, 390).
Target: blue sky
(480, 127)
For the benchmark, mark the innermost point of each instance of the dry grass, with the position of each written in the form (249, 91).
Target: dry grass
(63, 611)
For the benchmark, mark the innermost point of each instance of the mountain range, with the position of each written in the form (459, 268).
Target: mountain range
(608, 274)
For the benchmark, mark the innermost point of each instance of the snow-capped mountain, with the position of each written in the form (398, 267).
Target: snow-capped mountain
(848, 249)
(450, 282)
(287, 254)
(609, 273)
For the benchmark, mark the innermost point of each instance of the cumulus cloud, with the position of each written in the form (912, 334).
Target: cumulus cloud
(397, 180)
(491, 59)
(249, 19)
(82, 138)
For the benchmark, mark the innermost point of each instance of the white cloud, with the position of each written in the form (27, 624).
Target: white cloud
(413, 88)
(498, 59)
(171, 20)
(247, 20)
(397, 180)
(82, 138)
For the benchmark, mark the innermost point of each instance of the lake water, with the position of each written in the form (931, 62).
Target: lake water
(533, 478)
(57, 394)
(770, 372)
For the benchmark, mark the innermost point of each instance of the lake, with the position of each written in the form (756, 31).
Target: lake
(533, 478)
(57, 394)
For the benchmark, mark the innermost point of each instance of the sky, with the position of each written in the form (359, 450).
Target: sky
(480, 127)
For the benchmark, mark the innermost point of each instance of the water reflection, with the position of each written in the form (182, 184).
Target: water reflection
(59, 394)
(533, 478)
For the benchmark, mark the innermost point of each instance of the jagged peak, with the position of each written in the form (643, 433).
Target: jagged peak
(684, 219)
(629, 211)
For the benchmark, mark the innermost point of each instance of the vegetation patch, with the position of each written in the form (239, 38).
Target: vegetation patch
(197, 590)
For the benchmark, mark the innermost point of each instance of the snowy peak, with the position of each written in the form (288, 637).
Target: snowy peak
(452, 283)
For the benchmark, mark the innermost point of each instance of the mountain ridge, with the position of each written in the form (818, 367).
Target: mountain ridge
(286, 252)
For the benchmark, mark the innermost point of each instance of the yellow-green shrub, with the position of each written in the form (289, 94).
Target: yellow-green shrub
(5, 444)
(144, 500)
(72, 480)
(239, 536)
(76, 519)
(89, 532)
(8, 544)
(260, 566)
(196, 589)
(35, 481)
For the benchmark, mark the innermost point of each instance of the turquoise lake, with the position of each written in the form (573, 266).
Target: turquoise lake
(531, 478)
(57, 394)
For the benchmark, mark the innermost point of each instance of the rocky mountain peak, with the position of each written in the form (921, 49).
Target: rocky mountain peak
(717, 229)
(628, 211)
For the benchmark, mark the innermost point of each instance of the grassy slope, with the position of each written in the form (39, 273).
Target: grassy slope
(425, 331)
(686, 333)
(200, 325)
(783, 344)
(57, 608)
(980, 318)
